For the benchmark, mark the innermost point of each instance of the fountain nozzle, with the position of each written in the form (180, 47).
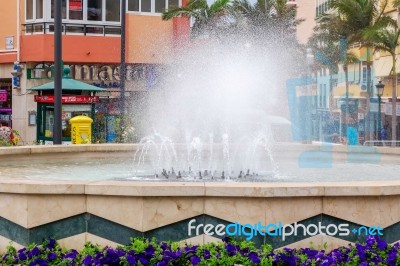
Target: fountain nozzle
(240, 174)
(164, 173)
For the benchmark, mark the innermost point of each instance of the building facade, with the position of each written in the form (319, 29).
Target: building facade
(91, 47)
(363, 75)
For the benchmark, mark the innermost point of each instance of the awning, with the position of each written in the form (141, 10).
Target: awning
(68, 84)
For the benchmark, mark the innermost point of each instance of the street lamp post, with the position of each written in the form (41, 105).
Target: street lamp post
(57, 134)
(379, 87)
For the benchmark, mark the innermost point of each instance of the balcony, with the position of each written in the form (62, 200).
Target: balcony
(84, 43)
(72, 29)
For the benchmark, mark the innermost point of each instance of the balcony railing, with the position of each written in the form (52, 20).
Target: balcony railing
(72, 29)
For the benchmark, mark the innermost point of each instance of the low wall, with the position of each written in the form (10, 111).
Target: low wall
(110, 212)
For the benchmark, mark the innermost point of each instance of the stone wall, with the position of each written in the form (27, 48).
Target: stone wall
(110, 212)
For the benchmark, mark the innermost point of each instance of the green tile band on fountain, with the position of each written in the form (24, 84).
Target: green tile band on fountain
(176, 231)
(14, 231)
(110, 230)
(63, 228)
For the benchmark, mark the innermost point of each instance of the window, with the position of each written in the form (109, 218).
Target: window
(75, 9)
(320, 95)
(152, 6)
(159, 6)
(79, 16)
(39, 9)
(133, 5)
(63, 6)
(146, 5)
(173, 3)
(113, 10)
(34, 9)
(94, 11)
(364, 75)
(29, 9)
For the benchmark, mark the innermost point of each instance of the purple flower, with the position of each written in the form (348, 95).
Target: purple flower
(149, 251)
(143, 261)
(194, 260)
(52, 256)
(51, 244)
(326, 263)
(120, 252)
(131, 259)
(382, 245)
(191, 249)
(289, 250)
(21, 250)
(22, 256)
(231, 249)
(35, 251)
(244, 251)
(206, 254)
(38, 262)
(173, 255)
(370, 241)
(226, 240)
(164, 246)
(254, 257)
(88, 260)
(71, 255)
(310, 252)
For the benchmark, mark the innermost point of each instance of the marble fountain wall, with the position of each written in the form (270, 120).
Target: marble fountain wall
(110, 212)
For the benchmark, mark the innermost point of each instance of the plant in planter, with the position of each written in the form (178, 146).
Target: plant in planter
(229, 252)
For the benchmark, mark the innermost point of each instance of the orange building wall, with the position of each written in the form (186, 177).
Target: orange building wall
(8, 27)
(306, 11)
(8, 21)
(82, 49)
(149, 39)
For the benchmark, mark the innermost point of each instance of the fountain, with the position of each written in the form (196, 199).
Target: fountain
(209, 156)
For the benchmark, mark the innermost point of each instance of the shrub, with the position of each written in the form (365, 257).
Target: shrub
(150, 252)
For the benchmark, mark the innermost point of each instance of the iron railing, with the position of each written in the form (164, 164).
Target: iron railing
(385, 143)
(72, 28)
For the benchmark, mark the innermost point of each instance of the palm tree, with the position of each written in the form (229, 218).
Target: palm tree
(207, 19)
(328, 53)
(349, 20)
(387, 39)
(272, 19)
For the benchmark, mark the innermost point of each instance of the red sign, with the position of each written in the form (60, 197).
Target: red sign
(75, 5)
(67, 99)
(3, 95)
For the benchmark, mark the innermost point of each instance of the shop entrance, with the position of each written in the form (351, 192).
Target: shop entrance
(5, 102)
(46, 120)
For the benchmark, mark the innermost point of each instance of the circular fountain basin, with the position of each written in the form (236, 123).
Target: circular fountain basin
(89, 193)
(295, 163)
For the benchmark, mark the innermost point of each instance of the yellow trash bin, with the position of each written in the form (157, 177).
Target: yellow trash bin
(81, 129)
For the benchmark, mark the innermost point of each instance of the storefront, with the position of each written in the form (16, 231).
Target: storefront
(71, 106)
(5, 102)
(78, 98)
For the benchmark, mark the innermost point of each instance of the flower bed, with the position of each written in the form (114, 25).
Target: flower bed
(144, 252)
(8, 136)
